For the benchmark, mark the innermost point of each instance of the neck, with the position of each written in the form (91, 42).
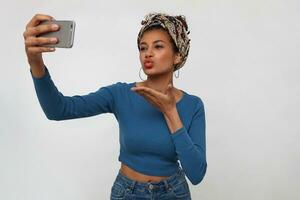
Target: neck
(159, 83)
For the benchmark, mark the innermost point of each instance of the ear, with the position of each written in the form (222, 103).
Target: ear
(177, 59)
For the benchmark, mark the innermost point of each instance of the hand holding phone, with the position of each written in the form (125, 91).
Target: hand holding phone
(65, 34)
(36, 45)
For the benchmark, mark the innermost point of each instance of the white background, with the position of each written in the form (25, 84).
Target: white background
(243, 63)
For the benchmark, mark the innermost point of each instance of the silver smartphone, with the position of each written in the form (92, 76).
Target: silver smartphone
(65, 34)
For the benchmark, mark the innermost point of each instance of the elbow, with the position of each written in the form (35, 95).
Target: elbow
(199, 176)
(53, 117)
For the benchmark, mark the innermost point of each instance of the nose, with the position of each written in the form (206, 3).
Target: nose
(148, 53)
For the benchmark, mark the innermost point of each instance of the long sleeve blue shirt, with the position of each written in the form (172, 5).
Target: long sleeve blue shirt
(146, 143)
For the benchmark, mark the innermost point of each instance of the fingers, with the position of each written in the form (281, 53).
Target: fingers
(36, 41)
(144, 94)
(37, 30)
(37, 50)
(150, 91)
(33, 44)
(150, 98)
(37, 19)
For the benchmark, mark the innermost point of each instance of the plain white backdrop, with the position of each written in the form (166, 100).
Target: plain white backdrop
(243, 63)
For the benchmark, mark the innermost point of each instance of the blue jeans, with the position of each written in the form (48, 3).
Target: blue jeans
(174, 187)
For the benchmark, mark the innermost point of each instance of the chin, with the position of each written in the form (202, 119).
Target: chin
(154, 74)
(146, 70)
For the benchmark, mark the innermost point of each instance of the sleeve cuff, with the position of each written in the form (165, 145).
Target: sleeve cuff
(178, 132)
(182, 139)
(46, 75)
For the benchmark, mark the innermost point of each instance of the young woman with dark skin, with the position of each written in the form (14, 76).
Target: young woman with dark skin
(157, 56)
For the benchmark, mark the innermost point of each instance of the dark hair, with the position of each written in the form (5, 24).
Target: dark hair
(159, 27)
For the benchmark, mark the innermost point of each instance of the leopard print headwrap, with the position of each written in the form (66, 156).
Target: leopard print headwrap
(177, 28)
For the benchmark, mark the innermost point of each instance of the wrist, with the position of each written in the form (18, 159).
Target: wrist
(170, 112)
(36, 63)
(173, 120)
(37, 69)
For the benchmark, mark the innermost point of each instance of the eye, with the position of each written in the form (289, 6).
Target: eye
(157, 46)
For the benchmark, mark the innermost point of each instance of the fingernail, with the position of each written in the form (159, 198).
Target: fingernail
(53, 39)
(55, 26)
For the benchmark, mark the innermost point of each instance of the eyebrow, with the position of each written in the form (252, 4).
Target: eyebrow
(153, 42)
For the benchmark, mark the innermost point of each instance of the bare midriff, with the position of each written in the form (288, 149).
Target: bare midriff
(134, 175)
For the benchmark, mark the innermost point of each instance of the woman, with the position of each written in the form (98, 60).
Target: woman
(159, 124)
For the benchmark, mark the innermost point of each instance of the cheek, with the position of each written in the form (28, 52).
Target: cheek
(140, 57)
(165, 56)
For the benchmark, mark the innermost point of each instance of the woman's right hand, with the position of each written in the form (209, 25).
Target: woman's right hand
(33, 44)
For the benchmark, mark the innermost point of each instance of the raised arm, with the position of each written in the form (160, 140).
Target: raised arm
(56, 106)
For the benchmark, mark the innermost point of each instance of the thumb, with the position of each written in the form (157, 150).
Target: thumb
(169, 88)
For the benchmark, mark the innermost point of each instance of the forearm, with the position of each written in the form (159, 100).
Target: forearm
(192, 157)
(37, 68)
(173, 120)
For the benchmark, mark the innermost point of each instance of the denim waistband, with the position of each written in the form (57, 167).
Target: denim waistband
(177, 178)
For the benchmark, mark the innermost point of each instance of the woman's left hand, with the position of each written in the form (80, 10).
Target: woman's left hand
(163, 101)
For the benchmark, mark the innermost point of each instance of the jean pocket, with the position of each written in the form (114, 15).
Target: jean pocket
(117, 191)
(181, 190)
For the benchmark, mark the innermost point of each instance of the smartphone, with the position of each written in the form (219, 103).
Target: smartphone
(65, 33)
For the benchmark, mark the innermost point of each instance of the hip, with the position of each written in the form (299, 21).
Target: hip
(172, 187)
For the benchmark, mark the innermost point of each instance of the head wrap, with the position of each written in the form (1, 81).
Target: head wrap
(176, 27)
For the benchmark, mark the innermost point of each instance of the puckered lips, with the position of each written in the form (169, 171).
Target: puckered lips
(148, 64)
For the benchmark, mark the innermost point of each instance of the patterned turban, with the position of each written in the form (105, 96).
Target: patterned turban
(177, 28)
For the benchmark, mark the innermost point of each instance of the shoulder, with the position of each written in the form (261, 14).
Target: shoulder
(124, 84)
(118, 84)
(194, 100)
(119, 87)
